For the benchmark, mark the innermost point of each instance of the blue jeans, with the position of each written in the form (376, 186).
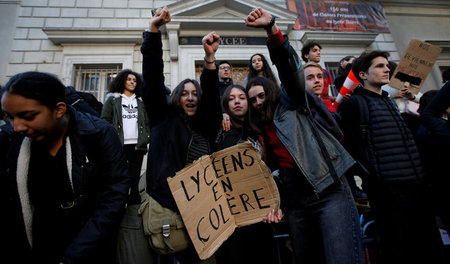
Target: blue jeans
(326, 229)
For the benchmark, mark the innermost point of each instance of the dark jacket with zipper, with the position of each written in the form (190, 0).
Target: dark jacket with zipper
(237, 134)
(171, 136)
(100, 184)
(387, 150)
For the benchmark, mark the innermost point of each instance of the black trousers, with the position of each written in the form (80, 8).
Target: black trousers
(134, 158)
(405, 223)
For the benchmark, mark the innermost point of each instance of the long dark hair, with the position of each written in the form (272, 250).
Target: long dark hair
(174, 100)
(45, 88)
(272, 94)
(226, 98)
(267, 71)
(117, 85)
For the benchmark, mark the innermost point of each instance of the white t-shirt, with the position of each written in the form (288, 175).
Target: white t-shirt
(129, 119)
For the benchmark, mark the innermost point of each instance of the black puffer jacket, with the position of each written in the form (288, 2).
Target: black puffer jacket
(100, 183)
(171, 136)
(388, 150)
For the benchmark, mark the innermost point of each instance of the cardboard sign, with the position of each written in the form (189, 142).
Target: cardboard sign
(415, 65)
(217, 193)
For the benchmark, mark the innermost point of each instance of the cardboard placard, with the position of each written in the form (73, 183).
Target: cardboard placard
(415, 65)
(217, 193)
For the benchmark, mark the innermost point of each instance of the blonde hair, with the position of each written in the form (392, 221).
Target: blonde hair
(312, 64)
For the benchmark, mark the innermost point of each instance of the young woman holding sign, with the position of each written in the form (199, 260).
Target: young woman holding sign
(183, 128)
(253, 243)
(235, 104)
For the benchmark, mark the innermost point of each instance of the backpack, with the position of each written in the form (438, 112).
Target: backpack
(363, 110)
(83, 102)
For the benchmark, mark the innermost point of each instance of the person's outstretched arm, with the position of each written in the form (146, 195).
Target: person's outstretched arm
(288, 63)
(210, 106)
(153, 89)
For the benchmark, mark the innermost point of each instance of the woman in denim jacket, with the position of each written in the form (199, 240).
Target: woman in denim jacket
(301, 141)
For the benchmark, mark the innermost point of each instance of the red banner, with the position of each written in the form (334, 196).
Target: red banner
(329, 15)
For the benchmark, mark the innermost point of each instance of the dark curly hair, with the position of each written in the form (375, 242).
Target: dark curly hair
(117, 85)
(267, 71)
(307, 47)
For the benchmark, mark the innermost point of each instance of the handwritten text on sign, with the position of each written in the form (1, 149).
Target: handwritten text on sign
(415, 65)
(217, 193)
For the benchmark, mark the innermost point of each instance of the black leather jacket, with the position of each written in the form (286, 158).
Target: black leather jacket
(311, 139)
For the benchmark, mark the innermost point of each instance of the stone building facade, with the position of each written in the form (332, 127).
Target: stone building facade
(86, 42)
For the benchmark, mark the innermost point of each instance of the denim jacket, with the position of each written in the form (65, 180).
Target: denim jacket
(315, 149)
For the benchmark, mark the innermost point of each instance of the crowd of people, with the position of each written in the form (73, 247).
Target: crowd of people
(70, 177)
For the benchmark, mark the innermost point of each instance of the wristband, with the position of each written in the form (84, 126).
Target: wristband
(271, 23)
(209, 62)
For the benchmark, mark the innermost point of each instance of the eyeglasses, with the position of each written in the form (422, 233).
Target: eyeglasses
(228, 68)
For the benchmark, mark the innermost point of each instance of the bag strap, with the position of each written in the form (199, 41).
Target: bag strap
(363, 110)
(142, 187)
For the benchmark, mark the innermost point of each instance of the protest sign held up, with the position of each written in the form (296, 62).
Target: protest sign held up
(415, 65)
(217, 193)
